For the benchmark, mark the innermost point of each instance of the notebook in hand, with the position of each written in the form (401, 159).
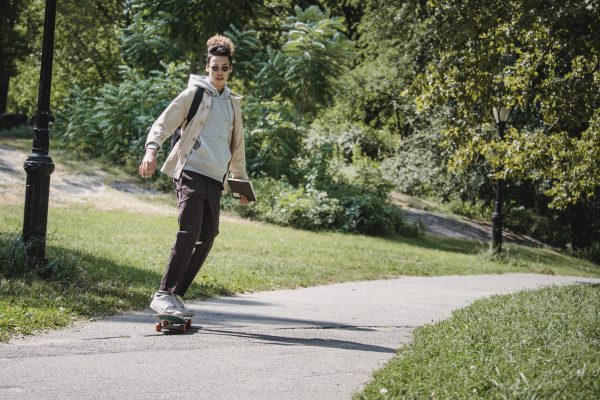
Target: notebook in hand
(239, 188)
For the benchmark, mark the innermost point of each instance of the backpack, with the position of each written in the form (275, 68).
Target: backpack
(192, 111)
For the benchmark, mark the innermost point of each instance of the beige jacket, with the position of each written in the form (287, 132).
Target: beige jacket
(174, 115)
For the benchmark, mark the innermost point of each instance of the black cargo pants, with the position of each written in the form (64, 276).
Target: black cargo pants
(199, 205)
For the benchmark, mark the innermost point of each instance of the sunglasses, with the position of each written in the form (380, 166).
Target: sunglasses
(224, 68)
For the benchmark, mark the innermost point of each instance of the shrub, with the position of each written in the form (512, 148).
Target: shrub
(547, 228)
(328, 200)
(113, 122)
(273, 138)
(477, 210)
(591, 253)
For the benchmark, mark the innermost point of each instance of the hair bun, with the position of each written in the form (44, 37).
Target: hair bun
(220, 45)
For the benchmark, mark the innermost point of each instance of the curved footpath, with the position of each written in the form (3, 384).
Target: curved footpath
(314, 343)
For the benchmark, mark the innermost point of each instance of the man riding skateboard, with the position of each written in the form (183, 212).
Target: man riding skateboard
(211, 146)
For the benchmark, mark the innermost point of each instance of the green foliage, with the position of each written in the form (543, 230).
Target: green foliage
(549, 228)
(416, 167)
(144, 44)
(273, 139)
(412, 90)
(304, 68)
(283, 204)
(86, 51)
(18, 132)
(591, 253)
(13, 256)
(249, 58)
(17, 31)
(312, 209)
(329, 200)
(20, 29)
(13, 40)
(22, 92)
(316, 52)
(114, 123)
(543, 64)
(186, 26)
(476, 210)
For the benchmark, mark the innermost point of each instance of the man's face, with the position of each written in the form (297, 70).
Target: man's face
(216, 75)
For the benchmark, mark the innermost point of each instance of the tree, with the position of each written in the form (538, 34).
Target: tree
(15, 40)
(186, 26)
(538, 57)
(86, 49)
(316, 51)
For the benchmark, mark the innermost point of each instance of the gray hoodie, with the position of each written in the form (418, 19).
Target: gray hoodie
(211, 153)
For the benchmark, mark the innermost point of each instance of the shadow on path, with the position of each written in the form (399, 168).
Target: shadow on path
(290, 341)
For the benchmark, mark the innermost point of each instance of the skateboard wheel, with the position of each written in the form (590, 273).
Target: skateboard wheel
(183, 328)
(165, 323)
(188, 323)
(157, 327)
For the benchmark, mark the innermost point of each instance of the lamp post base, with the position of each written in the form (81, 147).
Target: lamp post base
(39, 167)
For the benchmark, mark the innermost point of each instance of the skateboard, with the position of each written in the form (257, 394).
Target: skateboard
(169, 323)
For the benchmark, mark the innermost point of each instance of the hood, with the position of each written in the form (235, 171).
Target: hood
(202, 81)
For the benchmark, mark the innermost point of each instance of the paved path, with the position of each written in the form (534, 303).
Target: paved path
(315, 343)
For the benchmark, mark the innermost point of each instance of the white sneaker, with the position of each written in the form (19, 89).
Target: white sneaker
(186, 312)
(166, 304)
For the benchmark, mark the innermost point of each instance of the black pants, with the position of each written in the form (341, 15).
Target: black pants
(199, 205)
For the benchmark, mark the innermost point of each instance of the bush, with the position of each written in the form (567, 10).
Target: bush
(477, 210)
(113, 123)
(311, 209)
(547, 228)
(328, 200)
(591, 253)
(20, 132)
(283, 204)
(273, 138)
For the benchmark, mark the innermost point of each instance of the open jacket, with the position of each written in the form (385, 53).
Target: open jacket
(174, 115)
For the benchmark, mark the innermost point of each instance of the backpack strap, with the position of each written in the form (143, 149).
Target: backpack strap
(198, 94)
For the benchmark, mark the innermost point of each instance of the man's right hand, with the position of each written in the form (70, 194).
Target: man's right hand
(148, 164)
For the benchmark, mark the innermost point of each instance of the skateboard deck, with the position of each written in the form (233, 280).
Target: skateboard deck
(169, 323)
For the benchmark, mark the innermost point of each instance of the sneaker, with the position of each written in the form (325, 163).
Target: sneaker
(186, 312)
(166, 304)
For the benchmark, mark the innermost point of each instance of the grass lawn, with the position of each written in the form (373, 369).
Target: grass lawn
(542, 344)
(113, 261)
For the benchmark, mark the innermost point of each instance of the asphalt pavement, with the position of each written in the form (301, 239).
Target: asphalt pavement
(315, 343)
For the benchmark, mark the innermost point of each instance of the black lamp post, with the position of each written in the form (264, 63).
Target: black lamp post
(501, 114)
(39, 165)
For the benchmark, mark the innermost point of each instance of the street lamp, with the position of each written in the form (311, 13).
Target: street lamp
(501, 114)
(39, 165)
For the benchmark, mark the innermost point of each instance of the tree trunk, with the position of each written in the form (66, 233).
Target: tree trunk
(3, 93)
(580, 225)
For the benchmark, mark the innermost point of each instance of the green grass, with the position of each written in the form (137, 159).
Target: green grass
(529, 345)
(116, 259)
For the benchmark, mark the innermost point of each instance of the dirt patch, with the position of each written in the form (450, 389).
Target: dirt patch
(70, 188)
(440, 224)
